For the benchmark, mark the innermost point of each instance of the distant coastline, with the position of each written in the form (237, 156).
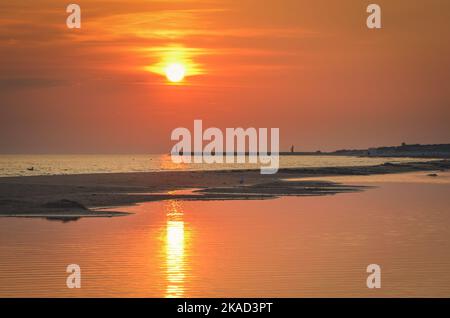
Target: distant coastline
(441, 151)
(404, 150)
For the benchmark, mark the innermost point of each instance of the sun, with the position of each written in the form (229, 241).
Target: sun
(175, 72)
(175, 63)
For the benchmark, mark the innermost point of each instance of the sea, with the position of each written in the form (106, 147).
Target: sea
(36, 165)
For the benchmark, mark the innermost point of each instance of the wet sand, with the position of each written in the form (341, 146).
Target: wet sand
(63, 197)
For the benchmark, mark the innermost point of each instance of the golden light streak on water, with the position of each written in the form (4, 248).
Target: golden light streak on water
(175, 250)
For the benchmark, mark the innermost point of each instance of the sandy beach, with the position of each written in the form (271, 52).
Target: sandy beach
(73, 196)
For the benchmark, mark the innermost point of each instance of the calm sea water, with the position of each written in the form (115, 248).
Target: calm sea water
(20, 165)
(293, 246)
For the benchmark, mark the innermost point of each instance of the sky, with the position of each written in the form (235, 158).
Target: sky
(310, 68)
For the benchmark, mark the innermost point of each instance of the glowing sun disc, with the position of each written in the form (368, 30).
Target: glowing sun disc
(175, 72)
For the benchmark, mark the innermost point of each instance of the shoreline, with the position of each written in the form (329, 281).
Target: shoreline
(74, 196)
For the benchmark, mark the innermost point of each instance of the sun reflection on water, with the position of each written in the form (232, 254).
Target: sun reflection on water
(175, 250)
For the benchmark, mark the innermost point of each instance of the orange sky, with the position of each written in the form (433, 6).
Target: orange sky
(311, 68)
